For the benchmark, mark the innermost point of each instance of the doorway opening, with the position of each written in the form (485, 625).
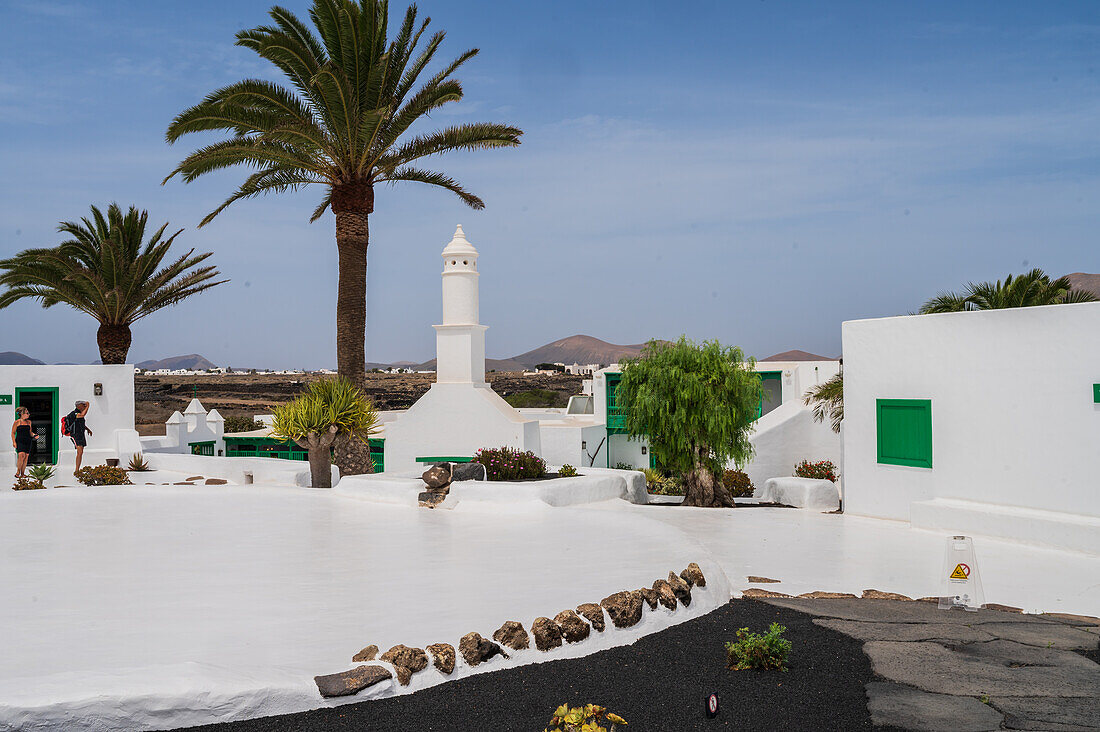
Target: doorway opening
(43, 406)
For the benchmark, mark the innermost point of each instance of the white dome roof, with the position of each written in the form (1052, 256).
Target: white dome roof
(459, 246)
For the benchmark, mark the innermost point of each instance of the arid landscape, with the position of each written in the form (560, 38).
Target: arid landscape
(156, 397)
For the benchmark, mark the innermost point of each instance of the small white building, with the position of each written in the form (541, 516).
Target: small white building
(460, 413)
(195, 432)
(50, 392)
(977, 422)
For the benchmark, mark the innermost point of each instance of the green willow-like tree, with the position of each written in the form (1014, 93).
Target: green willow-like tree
(108, 271)
(344, 122)
(1019, 291)
(696, 404)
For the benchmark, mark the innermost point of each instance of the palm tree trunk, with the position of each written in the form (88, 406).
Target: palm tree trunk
(352, 203)
(114, 342)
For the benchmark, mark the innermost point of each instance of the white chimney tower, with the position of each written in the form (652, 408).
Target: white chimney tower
(460, 339)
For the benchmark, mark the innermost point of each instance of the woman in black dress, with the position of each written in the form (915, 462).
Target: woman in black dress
(22, 439)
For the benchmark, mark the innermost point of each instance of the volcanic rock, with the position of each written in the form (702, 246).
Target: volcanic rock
(216, 481)
(665, 595)
(624, 608)
(880, 595)
(547, 634)
(406, 660)
(469, 471)
(573, 629)
(693, 575)
(443, 656)
(351, 682)
(650, 596)
(593, 613)
(475, 649)
(680, 588)
(437, 476)
(513, 635)
(367, 654)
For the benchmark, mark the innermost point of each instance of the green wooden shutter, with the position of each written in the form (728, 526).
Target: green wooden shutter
(905, 432)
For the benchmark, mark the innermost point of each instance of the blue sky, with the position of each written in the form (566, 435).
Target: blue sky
(755, 172)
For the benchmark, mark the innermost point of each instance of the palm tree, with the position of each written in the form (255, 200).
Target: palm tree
(1026, 290)
(827, 399)
(106, 271)
(342, 123)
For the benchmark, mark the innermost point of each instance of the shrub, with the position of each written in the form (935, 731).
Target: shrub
(624, 466)
(102, 475)
(508, 463)
(27, 484)
(737, 482)
(822, 470)
(535, 398)
(567, 471)
(238, 423)
(41, 473)
(138, 463)
(665, 486)
(589, 718)
(751, 651)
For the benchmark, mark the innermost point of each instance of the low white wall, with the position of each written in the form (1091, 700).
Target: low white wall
(242, 470)
(107, 413)
(786, 436)
(1014, 423)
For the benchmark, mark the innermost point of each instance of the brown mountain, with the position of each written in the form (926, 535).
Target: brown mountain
(191, 361)
(14, 358)
(796, 355)
(1084, 281)
(580, 349)
(491, 364)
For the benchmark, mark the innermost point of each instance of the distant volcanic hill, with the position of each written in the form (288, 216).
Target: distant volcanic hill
(14, 358)
(1084, 281)
(580, 349)
(191, 361)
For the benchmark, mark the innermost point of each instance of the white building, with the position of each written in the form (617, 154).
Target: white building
(195, 432)
(978, 422)
(50, 392)
(460, 413)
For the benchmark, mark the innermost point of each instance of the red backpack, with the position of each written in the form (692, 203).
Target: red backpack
(67, 425)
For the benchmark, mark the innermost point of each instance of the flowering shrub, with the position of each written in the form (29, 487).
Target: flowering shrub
(589, 718)
(103, 475)
(508, 463)
(822, 470)
(737, 483)
(767, 652)
(567, 471)
(27, 484)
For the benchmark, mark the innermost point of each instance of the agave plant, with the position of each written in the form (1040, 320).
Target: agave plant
(1016, 291)
(138, 463)
(108, 271)
(331, 411)
(41, 472)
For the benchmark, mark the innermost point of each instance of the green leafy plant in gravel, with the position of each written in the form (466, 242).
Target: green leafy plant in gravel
(41, 473)
(508, 463)
(567, 471)
(138, 463)
(766, 652)
(589, 718)
(738, 483)
(822, 470)
(102, 475)
(27, 484)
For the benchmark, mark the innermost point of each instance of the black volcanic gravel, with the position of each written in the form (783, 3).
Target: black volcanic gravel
(659, 683)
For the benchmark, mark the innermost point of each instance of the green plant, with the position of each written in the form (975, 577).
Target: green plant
(822, 470)
(138, 463)
(652, 475)
(738, 483)
(331, 411)
(666, 486)
(41, 472)
(27, 484)
(107, 271)
(102, 475)
(827, 399)
(697, 404)
(238, 423)
(1019, 291)
(624, 466)
(589, 718)
(508, 463)
(567, 471)
(535, 398)
(767, 652)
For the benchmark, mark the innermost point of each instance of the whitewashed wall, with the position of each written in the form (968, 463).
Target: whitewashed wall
(108, 415)
(786, 436)
(1015, 431)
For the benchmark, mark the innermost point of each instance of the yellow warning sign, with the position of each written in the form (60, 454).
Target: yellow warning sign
(961, 572)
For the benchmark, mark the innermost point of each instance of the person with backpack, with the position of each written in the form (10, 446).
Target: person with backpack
(74, 426)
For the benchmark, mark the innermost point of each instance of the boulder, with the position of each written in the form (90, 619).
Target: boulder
(443, 656)
(665, 595)
(649, 595)
(513, 635)
(547, 634)
(469, 471)
(430, 499)
(573, 629)
(406, 660)
(367, 654)
(216, 481)
(437, 476)
(681, 589)
(624, 608)
(593, 613)
(693, 575)
(475, 649)
(351, 682)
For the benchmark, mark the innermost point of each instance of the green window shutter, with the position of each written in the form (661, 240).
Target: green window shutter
(905, 432)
